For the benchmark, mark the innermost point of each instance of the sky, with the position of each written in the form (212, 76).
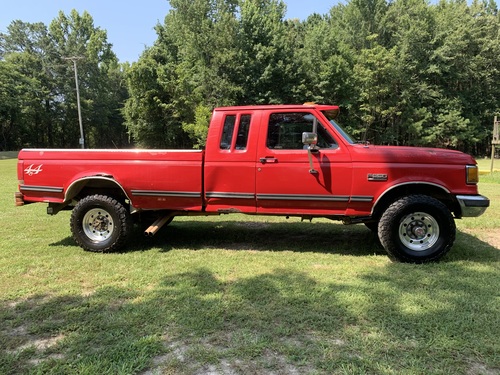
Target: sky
(129, 23)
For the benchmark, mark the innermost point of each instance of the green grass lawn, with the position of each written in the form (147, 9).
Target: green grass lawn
(244, 295)
(484, 165)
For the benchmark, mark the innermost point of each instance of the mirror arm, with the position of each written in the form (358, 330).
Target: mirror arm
(311, 166)
(311, 139)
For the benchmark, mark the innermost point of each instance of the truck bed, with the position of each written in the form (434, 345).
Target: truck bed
(48, 174)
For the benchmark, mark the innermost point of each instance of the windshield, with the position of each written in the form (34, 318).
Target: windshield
(331, 115)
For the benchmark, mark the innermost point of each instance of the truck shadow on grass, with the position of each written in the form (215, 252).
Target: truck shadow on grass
(327, 238)
(263, 236)
(253, 235)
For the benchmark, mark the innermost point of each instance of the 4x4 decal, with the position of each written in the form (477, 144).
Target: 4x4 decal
(31, 170)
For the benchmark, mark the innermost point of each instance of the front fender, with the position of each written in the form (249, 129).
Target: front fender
(407, 188)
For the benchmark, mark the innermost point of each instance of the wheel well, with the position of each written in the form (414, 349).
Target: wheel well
(89, 186)
(412, 189)
(96, 185)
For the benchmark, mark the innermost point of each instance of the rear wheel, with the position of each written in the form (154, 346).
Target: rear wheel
(417, 229)
(100, 223)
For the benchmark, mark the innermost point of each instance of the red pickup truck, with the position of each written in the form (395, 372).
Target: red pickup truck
(288, 160)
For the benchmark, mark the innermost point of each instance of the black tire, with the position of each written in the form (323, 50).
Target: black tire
(417, 229)
(100, 223)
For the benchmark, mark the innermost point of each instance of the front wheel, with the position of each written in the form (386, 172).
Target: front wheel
(100, 223)
(417, 229)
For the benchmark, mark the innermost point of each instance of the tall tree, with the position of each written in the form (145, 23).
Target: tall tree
(267, 68)
(27, 53)
(47, 107)
(75, 37)
(190, 70)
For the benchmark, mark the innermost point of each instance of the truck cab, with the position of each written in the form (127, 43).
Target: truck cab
(257, 163)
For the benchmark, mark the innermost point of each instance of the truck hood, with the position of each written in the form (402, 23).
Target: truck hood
(405, 154)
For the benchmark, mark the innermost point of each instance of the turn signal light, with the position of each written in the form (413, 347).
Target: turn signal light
(472, 174)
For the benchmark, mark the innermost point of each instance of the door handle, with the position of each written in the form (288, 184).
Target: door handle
(268, 159)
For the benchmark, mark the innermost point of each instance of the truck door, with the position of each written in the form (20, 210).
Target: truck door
(230, 163)
(285, 181)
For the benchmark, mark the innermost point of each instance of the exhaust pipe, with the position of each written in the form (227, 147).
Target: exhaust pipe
(156, 226)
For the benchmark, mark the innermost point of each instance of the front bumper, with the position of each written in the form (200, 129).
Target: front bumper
(473, 205)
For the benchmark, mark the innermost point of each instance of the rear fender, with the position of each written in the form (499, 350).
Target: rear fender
(98, 184)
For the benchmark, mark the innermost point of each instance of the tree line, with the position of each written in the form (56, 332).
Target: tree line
(405, 72)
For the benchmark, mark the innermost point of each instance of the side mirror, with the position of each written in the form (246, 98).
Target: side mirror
(309, 139)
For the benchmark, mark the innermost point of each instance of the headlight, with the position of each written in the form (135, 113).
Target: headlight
(472, 174)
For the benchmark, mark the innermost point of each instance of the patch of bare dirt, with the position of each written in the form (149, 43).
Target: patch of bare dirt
(491, 236)
(39, 344)
(181, 358)
(480, 369)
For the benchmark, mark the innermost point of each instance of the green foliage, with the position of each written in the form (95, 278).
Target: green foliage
(151, 115)
(43, 111)
(405, 72)
(199, 129)
(377, 78)
(265, 58)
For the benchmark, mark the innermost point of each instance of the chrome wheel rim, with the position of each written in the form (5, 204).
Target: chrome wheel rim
(419, 231)
(98, 225)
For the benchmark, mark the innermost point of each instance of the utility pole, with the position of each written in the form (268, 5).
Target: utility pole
(495, 141)
(75, 59)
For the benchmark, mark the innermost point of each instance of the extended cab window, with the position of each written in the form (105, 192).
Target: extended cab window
(227, 132)
(285, 131)
(243, 129)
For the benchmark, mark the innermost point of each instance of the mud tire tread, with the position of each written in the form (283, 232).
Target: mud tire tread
(390, 221)
(120, 216)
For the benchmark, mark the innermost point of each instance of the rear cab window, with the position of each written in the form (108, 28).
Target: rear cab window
(235, 132)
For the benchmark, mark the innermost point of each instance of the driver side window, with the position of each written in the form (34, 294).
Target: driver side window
(285, 131)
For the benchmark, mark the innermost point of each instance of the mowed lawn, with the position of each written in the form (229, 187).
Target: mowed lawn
(244, 295)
